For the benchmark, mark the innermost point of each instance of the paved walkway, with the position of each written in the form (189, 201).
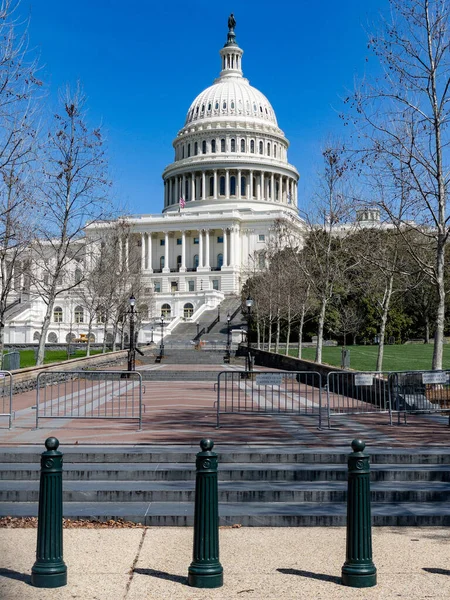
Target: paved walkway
(259, 564)
(183, 411)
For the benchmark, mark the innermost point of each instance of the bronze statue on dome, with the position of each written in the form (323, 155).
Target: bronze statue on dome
(231, 22)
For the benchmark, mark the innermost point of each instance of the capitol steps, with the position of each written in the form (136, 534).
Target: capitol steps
(258, 486)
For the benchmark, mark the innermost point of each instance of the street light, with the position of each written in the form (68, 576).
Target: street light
(161, 346)
(151, 331)
(228, 337)
(132, 350)
(198, 329)
(249, 304)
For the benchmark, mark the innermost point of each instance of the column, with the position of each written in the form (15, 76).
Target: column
(200, 248)
(166, 253)
(177, 194)
(197, 185)
(237, 247)
(225, 248)
(183, 252)
(166, 189)
(207, 256)
(272, 188)
(280, 190)
(143, 252)
(227, 183)
(238, 183)
(169, 199)
(120, 253)
(215, 185)
(296, 193)
(232, 247)
(149, 253)
(203, 185)
(192, 187)
(183, 188)
(126, 253)
(251, 185)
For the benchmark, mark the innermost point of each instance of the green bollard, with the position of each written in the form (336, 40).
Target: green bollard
(358, 570)
(205, 570)
(49, 570)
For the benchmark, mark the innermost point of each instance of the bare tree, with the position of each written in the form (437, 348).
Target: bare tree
(74, 192)
(404, 118)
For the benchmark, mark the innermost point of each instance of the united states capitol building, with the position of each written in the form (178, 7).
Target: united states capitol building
(230, 181)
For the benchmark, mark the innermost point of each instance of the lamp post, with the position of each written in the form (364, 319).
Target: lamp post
(161, 346)
(249, 304)
(198, 329)
(132, 351)
(228, 337)
(151, 331)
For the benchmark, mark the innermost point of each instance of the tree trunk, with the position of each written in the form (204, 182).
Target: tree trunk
(46, 325)
(384, 316)
(427, 330)
(440, 312)
(321, 325)
(88, 345)
(300, 332)
(105, 327)
(277, 339)
(288, 331)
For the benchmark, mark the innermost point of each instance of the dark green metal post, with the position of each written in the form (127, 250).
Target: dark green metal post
(358, 570)
(49, 570)
(205, 570)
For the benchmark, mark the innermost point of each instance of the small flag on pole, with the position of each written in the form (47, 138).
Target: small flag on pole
(182, 202)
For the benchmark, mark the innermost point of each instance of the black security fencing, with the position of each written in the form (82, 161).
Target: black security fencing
(416, 392)
(269, 392)
(89, 395)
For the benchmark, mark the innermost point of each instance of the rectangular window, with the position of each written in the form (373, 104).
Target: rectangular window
(191, 285)
(196, 240)
(178, 241)
(220, 239)
(215, 284)
(261, 237)
(157, 286)
(162, 242)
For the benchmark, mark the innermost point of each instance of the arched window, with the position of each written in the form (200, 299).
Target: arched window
(268, 149)
(204, 147)
(36, 336)
(203, 108)
(224, 105)
(78, 314)
(209, 107)
(188, 310)
(252, 146)
(254, 187)
(242, 145)
(52, 337)
(243, 186)
(233, 145)
(232, 104)
(261, 147)
(233, 186)
(222, 145)
(92, 338)
(78, 275)
(70, 337)
(165, 311)
(216, 106)
(211, 186)
(195, 261)
(274, 151)
(222, 186)
(219, 260)
(58, 314)
(196, 148)
(143, 312)
(189, 150)
(182, 152)
(213, 146)
(179, 261)
(161, 262)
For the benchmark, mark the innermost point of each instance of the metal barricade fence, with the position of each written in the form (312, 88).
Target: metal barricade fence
(417, 392)
(6, 391)
(351, 392)
(89, 395)
(269, 392)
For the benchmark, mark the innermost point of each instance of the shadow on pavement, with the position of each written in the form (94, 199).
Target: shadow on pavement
(162, 575)
(437, 571)
(311, 575)
(25, 577)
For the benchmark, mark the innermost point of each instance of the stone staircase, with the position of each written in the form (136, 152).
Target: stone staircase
(258, 486)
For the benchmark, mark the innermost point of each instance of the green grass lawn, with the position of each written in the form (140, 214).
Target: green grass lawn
(27, 356)
(411, 357)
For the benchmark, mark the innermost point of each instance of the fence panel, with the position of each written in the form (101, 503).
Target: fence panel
(351, 392)
(269, 392)
(6, 390)
(89, 395)
(418, 392)
(11, 361)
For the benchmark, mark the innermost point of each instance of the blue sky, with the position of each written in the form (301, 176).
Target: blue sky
(142, 63)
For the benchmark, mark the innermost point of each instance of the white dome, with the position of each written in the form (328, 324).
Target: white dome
(231, 97)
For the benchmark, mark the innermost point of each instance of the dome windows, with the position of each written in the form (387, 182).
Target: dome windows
(232, 186)
(209, 107)
(222, 186)
(261, 148)
(203, 108)
(243, 186)
(254, 107)
(213, 146)
(222, 145)
(189, 150)
(196, 148)
(204, 147)
(232, 105)
(216, 106)
(252, 146)
(224, 105)
(242, 145)
(268, 148)
(233, 145)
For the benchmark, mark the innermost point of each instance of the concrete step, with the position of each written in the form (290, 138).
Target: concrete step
(233, 491)
(249, 514)
(228, 472)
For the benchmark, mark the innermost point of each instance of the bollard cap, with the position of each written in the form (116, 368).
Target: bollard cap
(358, 446)
(51, 443)
(206, 445)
